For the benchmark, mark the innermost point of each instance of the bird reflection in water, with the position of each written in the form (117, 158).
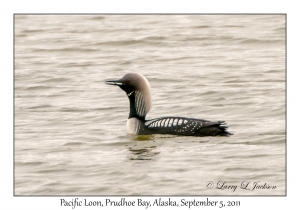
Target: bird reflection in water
(144, 148)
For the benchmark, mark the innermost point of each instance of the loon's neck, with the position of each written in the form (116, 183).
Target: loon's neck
(137, 105)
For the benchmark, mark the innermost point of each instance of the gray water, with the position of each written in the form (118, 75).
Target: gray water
(70, 133)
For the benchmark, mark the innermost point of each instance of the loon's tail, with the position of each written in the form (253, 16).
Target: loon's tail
(214, 129)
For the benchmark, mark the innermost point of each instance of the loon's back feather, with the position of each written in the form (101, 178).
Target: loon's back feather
(184, 126)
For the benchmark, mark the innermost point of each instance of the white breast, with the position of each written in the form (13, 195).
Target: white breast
(133, 126)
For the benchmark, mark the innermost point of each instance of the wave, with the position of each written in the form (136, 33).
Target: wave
(56, 80)
(27, 31)
(98, 17)
(38, 87)
(72, 144)
(65, 49)
(41, 106)
(261, 41)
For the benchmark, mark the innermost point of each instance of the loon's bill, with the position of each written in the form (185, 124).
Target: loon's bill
(138, 91)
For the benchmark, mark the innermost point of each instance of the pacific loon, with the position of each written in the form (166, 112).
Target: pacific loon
(137, 89)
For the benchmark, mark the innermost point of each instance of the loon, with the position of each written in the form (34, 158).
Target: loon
(138, 91)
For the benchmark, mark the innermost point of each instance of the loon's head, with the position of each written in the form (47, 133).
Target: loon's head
(138, 91)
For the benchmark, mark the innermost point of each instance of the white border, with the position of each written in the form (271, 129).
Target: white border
(8, 8)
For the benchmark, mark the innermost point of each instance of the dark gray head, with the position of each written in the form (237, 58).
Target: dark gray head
(138, 91)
